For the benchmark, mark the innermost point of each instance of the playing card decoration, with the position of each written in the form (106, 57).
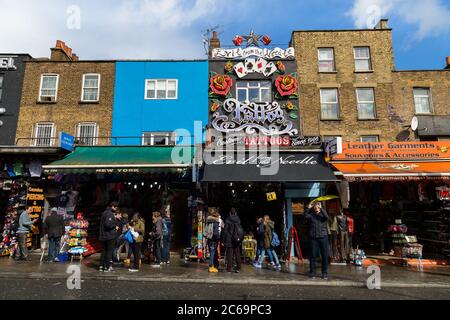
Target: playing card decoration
(287, 86)
(238, 40)
(220, 85)
(252, 65)
(266, 40)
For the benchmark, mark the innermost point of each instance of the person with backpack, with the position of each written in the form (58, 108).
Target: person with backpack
(212, 236)
(158, 232)
(54, 228)
(137, 229)
(233, 235)
(270, 241)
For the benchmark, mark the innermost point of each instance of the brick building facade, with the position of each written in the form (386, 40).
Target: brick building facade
(349, 86)
(64, 94)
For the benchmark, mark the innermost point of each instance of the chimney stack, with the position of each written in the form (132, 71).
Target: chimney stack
(214, 43)
(447, 60)
(62, 52)
(383, 24)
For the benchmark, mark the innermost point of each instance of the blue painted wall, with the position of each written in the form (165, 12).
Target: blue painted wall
(133, 115)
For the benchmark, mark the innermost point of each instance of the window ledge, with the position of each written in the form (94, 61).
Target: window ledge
(327, 72)
(424, 114)
(46, 102)
(89, 102)
(367, 71)
(340, 119)
(374, 119)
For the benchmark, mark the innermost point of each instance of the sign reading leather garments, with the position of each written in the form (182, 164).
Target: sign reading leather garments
(268, 167)
(267, 118)
(220, 53)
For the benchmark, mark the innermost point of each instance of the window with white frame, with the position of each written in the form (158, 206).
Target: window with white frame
(87, 133)
(326, 60)
(370, 138)
(422, 100)
(44, 134)
(254, 91)
(161, 89)
(158, 138)
(91, 87)
(362, 59)
(1, 86)
(49, 88)
(329, 102)
(366, 103)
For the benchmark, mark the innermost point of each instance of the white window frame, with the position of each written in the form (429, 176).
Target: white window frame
(332, 60)
(56, 87)
(366, 102)
(156, 89)
(94, 137)
(370, 136)
(330, 103)
(369, 58)
(259, 87)
(83, 87)
(35, 134)
(170, 136)
(429, 97)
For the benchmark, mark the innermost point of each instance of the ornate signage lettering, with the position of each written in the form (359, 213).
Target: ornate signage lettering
(268, 118)
(263, 161)
(220, 53)
(7, 63)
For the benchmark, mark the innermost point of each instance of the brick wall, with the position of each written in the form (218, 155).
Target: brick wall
(68, 111)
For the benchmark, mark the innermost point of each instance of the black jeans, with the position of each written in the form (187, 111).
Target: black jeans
(158, 250)
(319, 246)
(233, 252)
(107, 254)
(136, 248)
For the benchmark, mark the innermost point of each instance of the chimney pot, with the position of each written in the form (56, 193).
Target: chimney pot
(448, 62)
(382, 24)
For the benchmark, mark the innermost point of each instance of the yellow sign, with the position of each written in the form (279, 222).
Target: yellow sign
(272, 196)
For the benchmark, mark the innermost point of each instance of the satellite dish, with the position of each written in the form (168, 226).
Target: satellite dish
(403, 135)
(414, 124)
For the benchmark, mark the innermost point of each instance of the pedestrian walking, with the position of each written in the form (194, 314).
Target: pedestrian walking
(318, 234)
(233, 235)
(268, 245)
(25, 224)
(167, 233)
(54, 228)
(259, 237)
(212, 235)
(158, 237)
(108, 235)
(137, 226)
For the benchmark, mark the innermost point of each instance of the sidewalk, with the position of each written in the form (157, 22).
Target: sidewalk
(193, 272)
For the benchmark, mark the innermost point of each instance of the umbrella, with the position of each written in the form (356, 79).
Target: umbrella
(324, 198)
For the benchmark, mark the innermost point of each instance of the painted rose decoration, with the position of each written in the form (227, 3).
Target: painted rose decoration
(286, 85)
(221, 84)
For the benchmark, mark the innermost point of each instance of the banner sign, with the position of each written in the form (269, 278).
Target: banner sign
(289, 53)
(66, 141)
(419, 150)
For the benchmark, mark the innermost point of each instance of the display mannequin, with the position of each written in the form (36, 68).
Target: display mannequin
(343, 235)
(333, 228)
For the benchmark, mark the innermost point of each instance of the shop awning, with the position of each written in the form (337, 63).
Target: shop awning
(129, 159)
(282, 167)
(386, 169)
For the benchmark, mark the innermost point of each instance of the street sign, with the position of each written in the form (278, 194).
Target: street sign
(333, 147)
(66, 141)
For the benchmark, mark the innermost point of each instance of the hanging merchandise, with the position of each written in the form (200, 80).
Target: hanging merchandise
(78, 234)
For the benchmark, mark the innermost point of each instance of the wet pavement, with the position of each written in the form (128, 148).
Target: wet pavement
(180, 271)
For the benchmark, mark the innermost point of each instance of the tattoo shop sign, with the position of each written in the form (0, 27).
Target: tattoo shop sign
(266, 118)
(220, 53)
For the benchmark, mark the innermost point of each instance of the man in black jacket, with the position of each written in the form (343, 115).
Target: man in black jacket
(231, 234)
(108, 235)
(318, 234)
(54, 228)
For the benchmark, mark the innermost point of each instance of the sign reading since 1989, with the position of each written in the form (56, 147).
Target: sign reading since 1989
(7, 63)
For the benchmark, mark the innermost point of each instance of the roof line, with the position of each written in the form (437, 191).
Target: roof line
(425, 70)
(342, 30)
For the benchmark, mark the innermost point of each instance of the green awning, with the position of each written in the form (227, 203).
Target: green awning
(114, 159)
